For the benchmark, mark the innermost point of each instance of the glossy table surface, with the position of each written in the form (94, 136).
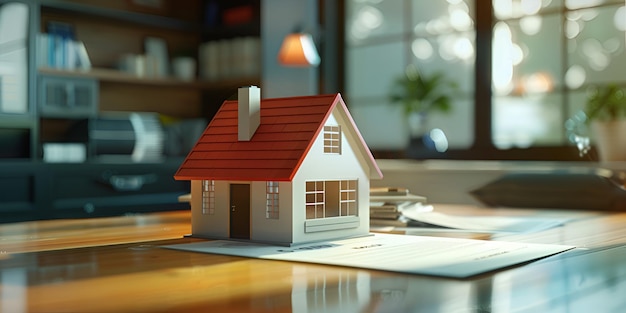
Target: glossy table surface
(117, 265)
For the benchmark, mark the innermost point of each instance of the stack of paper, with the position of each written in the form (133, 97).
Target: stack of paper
(486, 224)
(399, 208)
(387, 204)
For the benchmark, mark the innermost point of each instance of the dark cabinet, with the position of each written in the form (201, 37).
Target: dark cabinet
(48, 169)
(45, 191)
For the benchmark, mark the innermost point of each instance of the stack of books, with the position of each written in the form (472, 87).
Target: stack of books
(59, 48)
(387, 204)
(236, 58)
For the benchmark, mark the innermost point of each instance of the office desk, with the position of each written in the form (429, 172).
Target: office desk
(117, 265)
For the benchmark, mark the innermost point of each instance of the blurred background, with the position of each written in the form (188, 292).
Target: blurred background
(101, 100)
(523, 69)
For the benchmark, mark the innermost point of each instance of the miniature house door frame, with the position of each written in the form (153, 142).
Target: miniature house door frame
(240, 211)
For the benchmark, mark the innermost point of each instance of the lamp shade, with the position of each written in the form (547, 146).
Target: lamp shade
(298, 49)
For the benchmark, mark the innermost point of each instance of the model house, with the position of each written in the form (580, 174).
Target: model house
(283, 171)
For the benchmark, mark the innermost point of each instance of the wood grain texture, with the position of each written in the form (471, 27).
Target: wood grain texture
(117, 265)
(77, 233)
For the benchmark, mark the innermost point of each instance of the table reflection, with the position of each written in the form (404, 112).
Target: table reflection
(145, 277)
(336, 290)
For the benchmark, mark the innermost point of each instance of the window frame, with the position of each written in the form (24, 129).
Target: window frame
(315, 198)
(272, 196)
(208, 197)
(332, 139)
(482, 148)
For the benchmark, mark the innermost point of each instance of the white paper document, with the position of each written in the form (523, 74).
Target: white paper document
(492, 224)
(449, 257)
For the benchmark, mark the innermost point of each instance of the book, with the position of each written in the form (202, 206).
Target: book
(388, 222)
(61, 29)
(404, 221)
(397, 199)
(63, 36)
(42, 50)
(83, 61)
(55, 51)
(157, 48)
(384, 208)
(389, 215)
(387, 204)
(388, 191)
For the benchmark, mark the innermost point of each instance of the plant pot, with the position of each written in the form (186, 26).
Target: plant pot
(610, 139)
(418, 124)
(422, 144)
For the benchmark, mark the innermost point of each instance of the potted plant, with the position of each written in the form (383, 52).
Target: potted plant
(606, 113)
(420, 95)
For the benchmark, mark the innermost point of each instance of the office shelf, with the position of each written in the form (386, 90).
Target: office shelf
(110, 31)
(65, 7)
(8, 120)
(116, 76)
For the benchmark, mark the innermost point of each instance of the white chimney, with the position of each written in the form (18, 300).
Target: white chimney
(248, 111)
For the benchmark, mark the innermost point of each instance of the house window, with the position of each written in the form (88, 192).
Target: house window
(271, 198)
(347, 202)
(314, 199)
(332, 139)
(208, 197)
(331, 198)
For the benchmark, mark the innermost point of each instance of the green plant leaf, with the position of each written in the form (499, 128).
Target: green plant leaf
(607, 102)
(419, 93)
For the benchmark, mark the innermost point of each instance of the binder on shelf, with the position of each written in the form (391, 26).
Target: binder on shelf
(229, 58)
(84, 63)
(55, 51)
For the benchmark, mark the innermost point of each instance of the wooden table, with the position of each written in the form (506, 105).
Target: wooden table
(117, 265)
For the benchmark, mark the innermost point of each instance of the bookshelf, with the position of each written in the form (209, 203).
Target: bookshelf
(109, 30)
(116, 76)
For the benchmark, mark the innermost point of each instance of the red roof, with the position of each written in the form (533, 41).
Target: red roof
(286, 133)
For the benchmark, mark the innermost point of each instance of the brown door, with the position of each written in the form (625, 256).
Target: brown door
(240, 211)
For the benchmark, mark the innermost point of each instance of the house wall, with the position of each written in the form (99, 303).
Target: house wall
(319, 166)
(210, 226)
(196, 207)
(271, 230)
(261, 228)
